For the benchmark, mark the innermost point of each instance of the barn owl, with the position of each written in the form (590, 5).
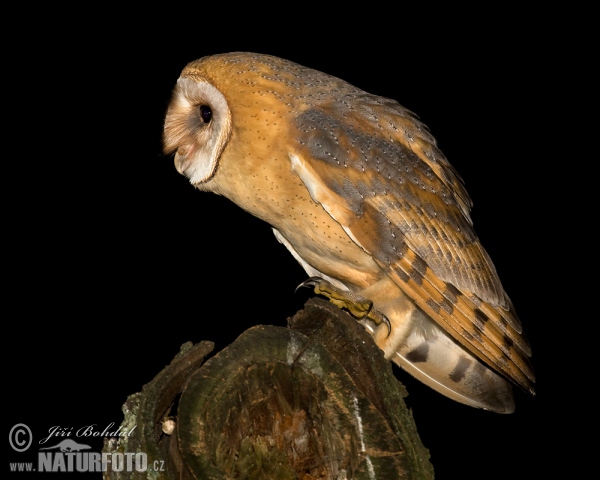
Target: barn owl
(357, 190)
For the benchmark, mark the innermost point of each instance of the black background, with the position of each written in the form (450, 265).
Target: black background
(112, 260)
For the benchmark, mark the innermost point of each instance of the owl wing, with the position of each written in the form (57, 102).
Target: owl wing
(377, 171)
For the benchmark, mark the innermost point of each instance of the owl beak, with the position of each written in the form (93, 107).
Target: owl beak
(181, 162)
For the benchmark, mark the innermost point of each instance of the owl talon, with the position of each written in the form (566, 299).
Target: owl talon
(381, 318)
(309, 282)
(358, 306)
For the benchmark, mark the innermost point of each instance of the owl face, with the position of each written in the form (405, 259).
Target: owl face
(357, 190)
(197, 128)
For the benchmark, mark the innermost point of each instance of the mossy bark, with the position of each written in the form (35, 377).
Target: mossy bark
(315, 400)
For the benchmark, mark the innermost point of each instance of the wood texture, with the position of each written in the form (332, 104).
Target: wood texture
(313, 401)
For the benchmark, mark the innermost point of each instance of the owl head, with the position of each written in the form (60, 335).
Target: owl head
(197, 126)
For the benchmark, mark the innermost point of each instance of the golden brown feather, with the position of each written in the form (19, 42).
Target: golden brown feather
(356, 188)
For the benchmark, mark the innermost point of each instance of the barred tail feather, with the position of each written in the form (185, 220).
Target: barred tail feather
(429, 354)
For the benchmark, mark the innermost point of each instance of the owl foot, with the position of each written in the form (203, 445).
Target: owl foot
(358, 306)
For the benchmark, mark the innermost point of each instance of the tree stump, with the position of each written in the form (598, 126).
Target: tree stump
(316, 400)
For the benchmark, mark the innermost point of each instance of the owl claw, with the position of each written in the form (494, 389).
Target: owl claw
(309, 282)
(358, 306)
(381, 318)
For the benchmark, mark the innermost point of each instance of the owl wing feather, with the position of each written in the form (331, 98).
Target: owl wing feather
(378, 172)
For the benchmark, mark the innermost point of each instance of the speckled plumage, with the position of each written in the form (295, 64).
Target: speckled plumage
(356, 188)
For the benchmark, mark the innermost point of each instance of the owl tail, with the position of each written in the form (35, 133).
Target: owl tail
(425, 351)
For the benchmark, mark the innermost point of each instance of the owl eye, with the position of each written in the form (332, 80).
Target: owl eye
(205, 113)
